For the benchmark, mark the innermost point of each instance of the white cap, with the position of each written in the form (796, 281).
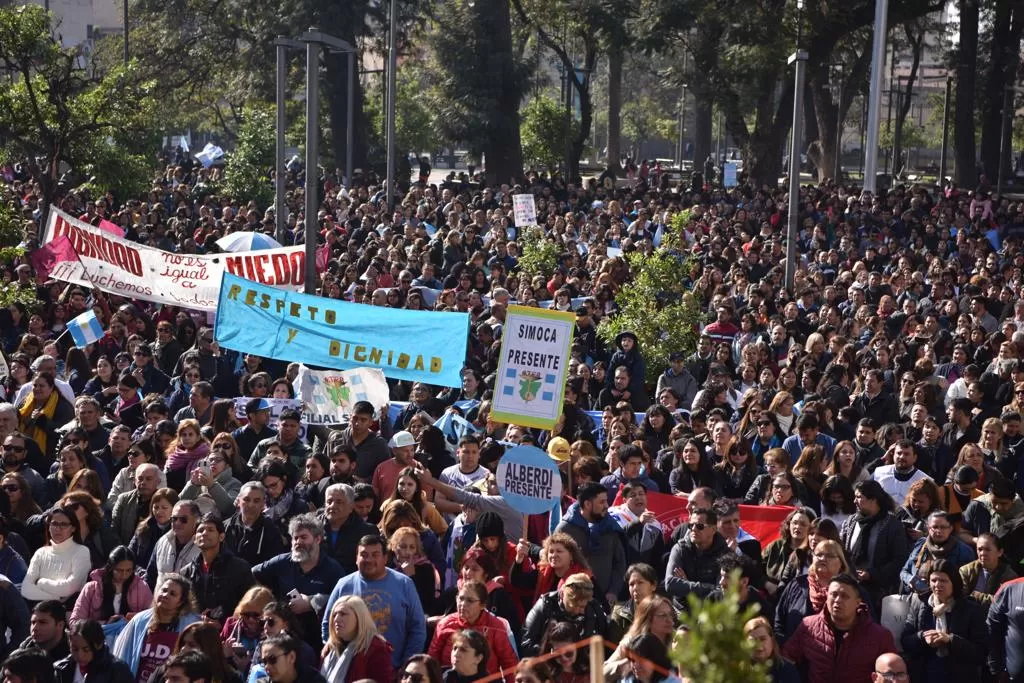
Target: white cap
(402, 439)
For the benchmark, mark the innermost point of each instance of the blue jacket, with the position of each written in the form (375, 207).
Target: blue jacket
(396, 609)
(128, 646)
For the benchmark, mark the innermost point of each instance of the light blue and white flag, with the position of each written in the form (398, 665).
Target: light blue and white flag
(85, 329)
(209, 155)
(454, 428)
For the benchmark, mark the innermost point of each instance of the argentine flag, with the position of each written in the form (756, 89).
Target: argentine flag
(85, 329)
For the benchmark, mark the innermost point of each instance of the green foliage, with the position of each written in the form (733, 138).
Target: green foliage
(656, 305)
(539, 254)
(10, 293)
(643, 119)
(11, 226)
(54, 109)
(913, 135)
(247, 170)
(714, 648)
(543, 131)
(413, 120)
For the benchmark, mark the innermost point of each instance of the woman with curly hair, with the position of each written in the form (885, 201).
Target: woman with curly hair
(560, 558)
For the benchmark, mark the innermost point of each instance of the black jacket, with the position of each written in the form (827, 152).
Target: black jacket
(221, 588)
(14, 615)
(965, 623)
(341, 546)
(254, 545)
(104, 668)
(548, 610)
(700, 566)
(883, 554)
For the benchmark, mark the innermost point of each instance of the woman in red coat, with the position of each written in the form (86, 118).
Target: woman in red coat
(355, 650)
(472, 614)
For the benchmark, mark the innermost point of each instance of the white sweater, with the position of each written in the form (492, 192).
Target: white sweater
(57, 571)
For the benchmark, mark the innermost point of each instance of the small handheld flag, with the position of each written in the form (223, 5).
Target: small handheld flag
(85, 329)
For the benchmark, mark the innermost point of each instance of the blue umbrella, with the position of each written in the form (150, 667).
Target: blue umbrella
(247, 241)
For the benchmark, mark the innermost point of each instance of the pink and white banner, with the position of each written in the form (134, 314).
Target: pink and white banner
(119, 266)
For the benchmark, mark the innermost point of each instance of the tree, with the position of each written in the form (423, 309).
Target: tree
(963, 119)
(738, 52)
(480, 83)
(543, 132)
(714, 648)
(642, 120)
(52, 110)
(656, 305)
(247, 171)
(576, 31)
(1002, 38)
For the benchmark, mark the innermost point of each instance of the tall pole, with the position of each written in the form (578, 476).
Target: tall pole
(875, 96)
(679, 143)
(280, 213)
(125, 32)
(312, 154)
(799, 59)
(1007, 99)
(945, 131)
(839, 130)
(392, 72)
(350, 109)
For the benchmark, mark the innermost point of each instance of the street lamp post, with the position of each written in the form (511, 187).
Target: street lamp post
(875, 95)
(392, 74)
(282, 45)
(799, 60)
(945, 131)
(314, 40)
(838, 73)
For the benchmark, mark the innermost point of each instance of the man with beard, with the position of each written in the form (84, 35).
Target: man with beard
(304, 577)
(342, 471)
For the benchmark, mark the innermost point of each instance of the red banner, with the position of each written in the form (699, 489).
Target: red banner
(760, 521)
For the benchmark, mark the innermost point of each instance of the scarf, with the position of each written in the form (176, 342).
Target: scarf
(818, 592)
(124, 405)
(29, 426)
(276, 510)
(336, 665)
(547, 579)
(187, 459)
(860, 547)
(939, 611)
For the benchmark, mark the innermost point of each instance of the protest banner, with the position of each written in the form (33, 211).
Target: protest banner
(532, 367)
(528, 480)
(119, 266)
(729, 174)
(763, 522)
(419, 346)
(277, 406)
(328, 395)
(525, 209)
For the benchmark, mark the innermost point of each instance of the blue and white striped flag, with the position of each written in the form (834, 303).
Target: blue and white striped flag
(85, 329)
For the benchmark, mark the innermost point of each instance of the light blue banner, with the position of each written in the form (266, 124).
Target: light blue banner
(419, 346)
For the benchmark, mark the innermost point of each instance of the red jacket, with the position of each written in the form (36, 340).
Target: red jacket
(375, 663)
(492, 628)
(814, 644)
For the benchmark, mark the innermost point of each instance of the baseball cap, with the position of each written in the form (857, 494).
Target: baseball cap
(402, 439)
(558, 449)
(256, 405)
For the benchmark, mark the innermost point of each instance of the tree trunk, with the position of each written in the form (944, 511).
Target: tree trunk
(1004, 59)
(703, 120)
(916, 43)
(503, 147)
(581, 83)
(337, 100)
(963, 123)
(615, 106)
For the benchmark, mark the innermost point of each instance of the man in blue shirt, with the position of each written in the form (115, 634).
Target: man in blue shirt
(303, 577)
(391, 597)
(807, 433)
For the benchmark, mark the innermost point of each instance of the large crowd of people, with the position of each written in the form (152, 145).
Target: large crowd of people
(160, 523)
